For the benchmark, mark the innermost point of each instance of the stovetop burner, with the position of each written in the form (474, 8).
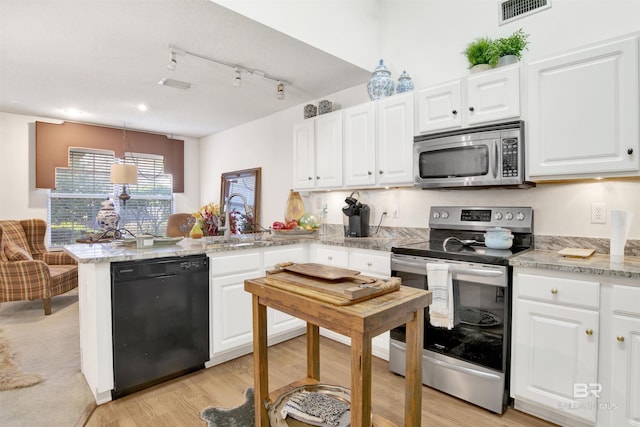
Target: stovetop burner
(470, 223)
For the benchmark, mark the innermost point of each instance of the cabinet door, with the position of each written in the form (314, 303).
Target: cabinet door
(231, 314)
(395, 140)
(328, 150)
(625, 360)
(277, 321)
(583, 112)
(556, 357)
(439, 107)
(359, 145)
(304, 155)
(494, 95)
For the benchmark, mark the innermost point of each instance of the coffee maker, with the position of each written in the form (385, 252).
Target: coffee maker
(356, 219)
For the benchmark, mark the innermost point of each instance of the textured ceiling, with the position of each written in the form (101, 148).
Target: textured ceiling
(104, 57)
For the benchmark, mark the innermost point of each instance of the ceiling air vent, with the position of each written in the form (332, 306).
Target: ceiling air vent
(510, 10)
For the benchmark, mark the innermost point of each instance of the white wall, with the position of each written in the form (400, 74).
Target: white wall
(323, 24)
(20, 199)
(427, 39)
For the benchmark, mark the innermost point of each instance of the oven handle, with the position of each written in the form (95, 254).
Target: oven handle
(465, 370)
(453, 270)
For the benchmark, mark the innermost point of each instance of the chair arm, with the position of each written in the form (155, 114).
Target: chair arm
(58, 258)
(24, 274)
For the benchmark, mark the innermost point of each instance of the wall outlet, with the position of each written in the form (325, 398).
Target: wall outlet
(598, 213)
(395, 213)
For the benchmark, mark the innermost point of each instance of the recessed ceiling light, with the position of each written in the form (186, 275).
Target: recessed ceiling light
(143, 107)
(72, 112)
(175, 83)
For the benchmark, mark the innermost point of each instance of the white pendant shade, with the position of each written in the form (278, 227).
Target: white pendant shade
(124, 174)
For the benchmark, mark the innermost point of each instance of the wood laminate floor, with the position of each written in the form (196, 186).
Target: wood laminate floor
(179, 402)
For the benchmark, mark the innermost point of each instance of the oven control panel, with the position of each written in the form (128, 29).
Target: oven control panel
(515, 218)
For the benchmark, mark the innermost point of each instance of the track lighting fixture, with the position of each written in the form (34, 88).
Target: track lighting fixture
(171, 66)
(280, 90)
(238, 70)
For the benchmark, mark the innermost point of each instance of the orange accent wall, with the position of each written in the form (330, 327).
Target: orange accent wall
(53, 142)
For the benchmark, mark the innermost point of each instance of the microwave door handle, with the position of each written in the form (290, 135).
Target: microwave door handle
(494, 164)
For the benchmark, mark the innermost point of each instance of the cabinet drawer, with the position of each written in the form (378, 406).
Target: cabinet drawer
(371, 263)
(224, 265)
(626, 300)
(558, 290)
(330, 256)
(288, 254)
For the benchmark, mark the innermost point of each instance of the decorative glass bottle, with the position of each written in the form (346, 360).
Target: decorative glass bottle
(381, 84)
(294, 208)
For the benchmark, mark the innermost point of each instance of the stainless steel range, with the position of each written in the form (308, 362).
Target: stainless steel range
(468, 357)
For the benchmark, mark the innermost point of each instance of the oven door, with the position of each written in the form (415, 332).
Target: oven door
(482, 310)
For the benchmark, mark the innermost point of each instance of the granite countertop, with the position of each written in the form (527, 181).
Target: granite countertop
(116, 251)
(597, 264)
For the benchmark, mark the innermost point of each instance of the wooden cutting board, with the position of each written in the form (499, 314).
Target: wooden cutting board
(319, 270)
(339, 292)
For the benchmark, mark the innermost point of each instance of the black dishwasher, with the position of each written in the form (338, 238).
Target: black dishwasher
(160, 319)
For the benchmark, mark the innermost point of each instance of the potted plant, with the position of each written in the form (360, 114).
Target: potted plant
(508, 50)
(478, 53)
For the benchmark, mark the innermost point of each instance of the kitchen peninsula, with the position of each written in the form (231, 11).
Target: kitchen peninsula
(231, 262)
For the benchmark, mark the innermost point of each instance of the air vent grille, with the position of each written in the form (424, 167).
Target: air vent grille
(510, 10)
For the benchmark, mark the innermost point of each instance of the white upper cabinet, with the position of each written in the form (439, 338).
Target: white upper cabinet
(304, 170)
(395, 140)
(378, 142)
(583, 112)
(317, 152)
(484, 97)
(329, 150)
(360, 145)
(494, 95)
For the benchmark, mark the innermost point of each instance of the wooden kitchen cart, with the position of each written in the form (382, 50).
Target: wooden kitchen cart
(361, 322)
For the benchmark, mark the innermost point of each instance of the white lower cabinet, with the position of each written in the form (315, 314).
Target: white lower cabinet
(277, 321)
(576, 348)
(624, 342)
(231, 318)
(231, 315)
(368, 263)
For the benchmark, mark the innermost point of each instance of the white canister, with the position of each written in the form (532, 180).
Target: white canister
(144, 241)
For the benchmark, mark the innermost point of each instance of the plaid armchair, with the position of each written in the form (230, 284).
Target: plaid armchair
(27, 270)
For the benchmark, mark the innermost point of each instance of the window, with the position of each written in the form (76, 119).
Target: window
(81, 187)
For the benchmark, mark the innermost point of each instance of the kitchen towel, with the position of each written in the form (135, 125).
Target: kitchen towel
(620, 225)
(441, 285)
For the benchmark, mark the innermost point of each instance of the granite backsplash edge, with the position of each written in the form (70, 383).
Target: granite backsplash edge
(541, 242)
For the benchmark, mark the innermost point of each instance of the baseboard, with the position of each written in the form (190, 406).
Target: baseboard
(548, 415)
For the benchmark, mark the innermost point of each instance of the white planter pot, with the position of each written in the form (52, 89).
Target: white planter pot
(479, 68)
(507, 60)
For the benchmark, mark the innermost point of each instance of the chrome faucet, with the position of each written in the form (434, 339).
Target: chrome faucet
(227, 225)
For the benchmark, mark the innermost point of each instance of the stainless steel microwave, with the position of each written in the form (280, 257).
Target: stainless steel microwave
(483, 156)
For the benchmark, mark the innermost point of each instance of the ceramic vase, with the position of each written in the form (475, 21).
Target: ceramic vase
(381, 84)
(405, 84)
(107, 218)
(294, 208)
(196, 231)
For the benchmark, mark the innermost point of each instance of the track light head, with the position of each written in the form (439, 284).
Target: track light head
(171, 66)
(280, 90)
(237, 81)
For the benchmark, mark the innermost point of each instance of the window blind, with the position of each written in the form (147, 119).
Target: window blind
(81, 187)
